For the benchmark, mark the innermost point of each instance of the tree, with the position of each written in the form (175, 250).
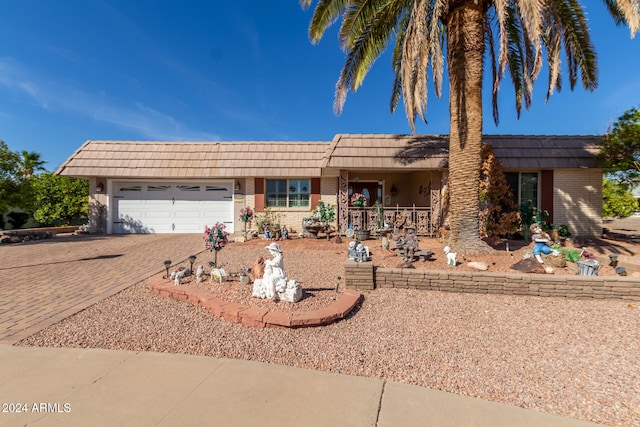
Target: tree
(30, 163)
(619, 201)
(620, 149)
(60, 199)
(516, 34)
(8, 177)
(499, 215)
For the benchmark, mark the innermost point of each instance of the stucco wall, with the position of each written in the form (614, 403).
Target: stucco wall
(577, 200)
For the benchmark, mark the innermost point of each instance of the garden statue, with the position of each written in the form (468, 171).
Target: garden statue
(410, 243)
(257, 270)
(274, 283)
(200, 274)
(267, 232)
(357, 251)
(541, 243)
(178, 274)
(452, 257)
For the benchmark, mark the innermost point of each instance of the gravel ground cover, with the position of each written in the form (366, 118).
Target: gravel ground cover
(574, 358)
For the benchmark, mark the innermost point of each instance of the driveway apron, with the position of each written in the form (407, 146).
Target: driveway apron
(46, 281)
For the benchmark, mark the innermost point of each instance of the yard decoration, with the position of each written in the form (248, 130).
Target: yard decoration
(321, 218)
(246, 216)
(358, 200)
(215, 238)
(274, 283)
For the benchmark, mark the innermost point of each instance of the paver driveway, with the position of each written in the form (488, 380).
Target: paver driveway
(46, 281)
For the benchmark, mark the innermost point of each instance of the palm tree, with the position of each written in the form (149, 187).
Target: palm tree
(30, 163)
(516, 33)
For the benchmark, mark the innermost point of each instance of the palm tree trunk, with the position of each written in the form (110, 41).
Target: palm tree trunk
(465, 50)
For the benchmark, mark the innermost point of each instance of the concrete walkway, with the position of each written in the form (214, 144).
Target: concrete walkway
(76, 387)
(46, 281)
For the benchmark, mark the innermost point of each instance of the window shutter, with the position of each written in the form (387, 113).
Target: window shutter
(259, 194)
(546, 196)
(315, 193)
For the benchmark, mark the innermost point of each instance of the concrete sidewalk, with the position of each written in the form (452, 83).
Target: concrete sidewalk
(80, 387)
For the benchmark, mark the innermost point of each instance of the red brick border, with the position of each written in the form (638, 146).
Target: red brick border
(256, 317)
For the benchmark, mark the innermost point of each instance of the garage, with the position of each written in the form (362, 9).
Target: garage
(152, 207)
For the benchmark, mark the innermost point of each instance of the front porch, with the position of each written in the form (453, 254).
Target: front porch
(424, 218)
(393, 199)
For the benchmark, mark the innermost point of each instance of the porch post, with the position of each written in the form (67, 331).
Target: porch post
(343, 202)
(436, 202)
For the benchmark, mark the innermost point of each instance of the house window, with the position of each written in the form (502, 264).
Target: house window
(131, 188)
(524, 186)
(292, 193)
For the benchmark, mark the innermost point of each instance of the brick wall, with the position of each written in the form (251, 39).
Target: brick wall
(363, 276)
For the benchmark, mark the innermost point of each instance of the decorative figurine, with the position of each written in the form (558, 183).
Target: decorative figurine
(541, 243)
(452, 257)
(357, 251)
(274, 283)
(267, 232)
(410, 243)
(200, 274)
(178, 274)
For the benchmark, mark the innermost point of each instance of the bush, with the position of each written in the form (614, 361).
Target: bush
(618, 200)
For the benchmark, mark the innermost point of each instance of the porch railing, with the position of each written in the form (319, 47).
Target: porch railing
(421, 217)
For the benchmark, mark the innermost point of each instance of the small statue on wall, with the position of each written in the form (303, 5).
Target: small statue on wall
(357, 251)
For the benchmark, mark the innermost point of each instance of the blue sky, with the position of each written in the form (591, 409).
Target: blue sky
(174, 70)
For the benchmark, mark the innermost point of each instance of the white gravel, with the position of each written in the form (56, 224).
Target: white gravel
(566, 357)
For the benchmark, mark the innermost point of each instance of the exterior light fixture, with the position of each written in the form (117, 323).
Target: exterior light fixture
(237, 187)
(100, 187)
(393, 190)
(167, 264)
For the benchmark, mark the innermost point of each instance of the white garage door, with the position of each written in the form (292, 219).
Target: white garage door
(170, 207)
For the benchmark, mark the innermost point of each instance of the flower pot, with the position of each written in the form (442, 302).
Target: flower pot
(588, 267)
(362, 234)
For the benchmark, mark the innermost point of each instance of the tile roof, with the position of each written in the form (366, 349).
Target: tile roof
(140, 159)
(431, 151)
(148, 159)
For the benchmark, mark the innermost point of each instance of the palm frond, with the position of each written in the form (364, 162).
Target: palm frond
(357, 16)
(493, 60)
(625, 12)
(579, 50)
(325, 14)
(515, 55)
(372, 41)
(396, 63)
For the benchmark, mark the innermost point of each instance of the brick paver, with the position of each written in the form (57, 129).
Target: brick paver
(46, 281)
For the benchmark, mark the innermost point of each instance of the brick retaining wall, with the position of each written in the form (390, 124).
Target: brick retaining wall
(364, 276)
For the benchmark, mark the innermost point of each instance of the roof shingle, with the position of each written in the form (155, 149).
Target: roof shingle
(139, 159)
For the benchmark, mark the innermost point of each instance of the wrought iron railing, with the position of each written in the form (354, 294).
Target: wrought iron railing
(398, 216)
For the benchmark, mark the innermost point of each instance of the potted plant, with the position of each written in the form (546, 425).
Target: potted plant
(246, 216)
(321, 218)
(215, 238)
(358, 200)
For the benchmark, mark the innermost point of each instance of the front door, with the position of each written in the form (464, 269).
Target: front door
(372, 191)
